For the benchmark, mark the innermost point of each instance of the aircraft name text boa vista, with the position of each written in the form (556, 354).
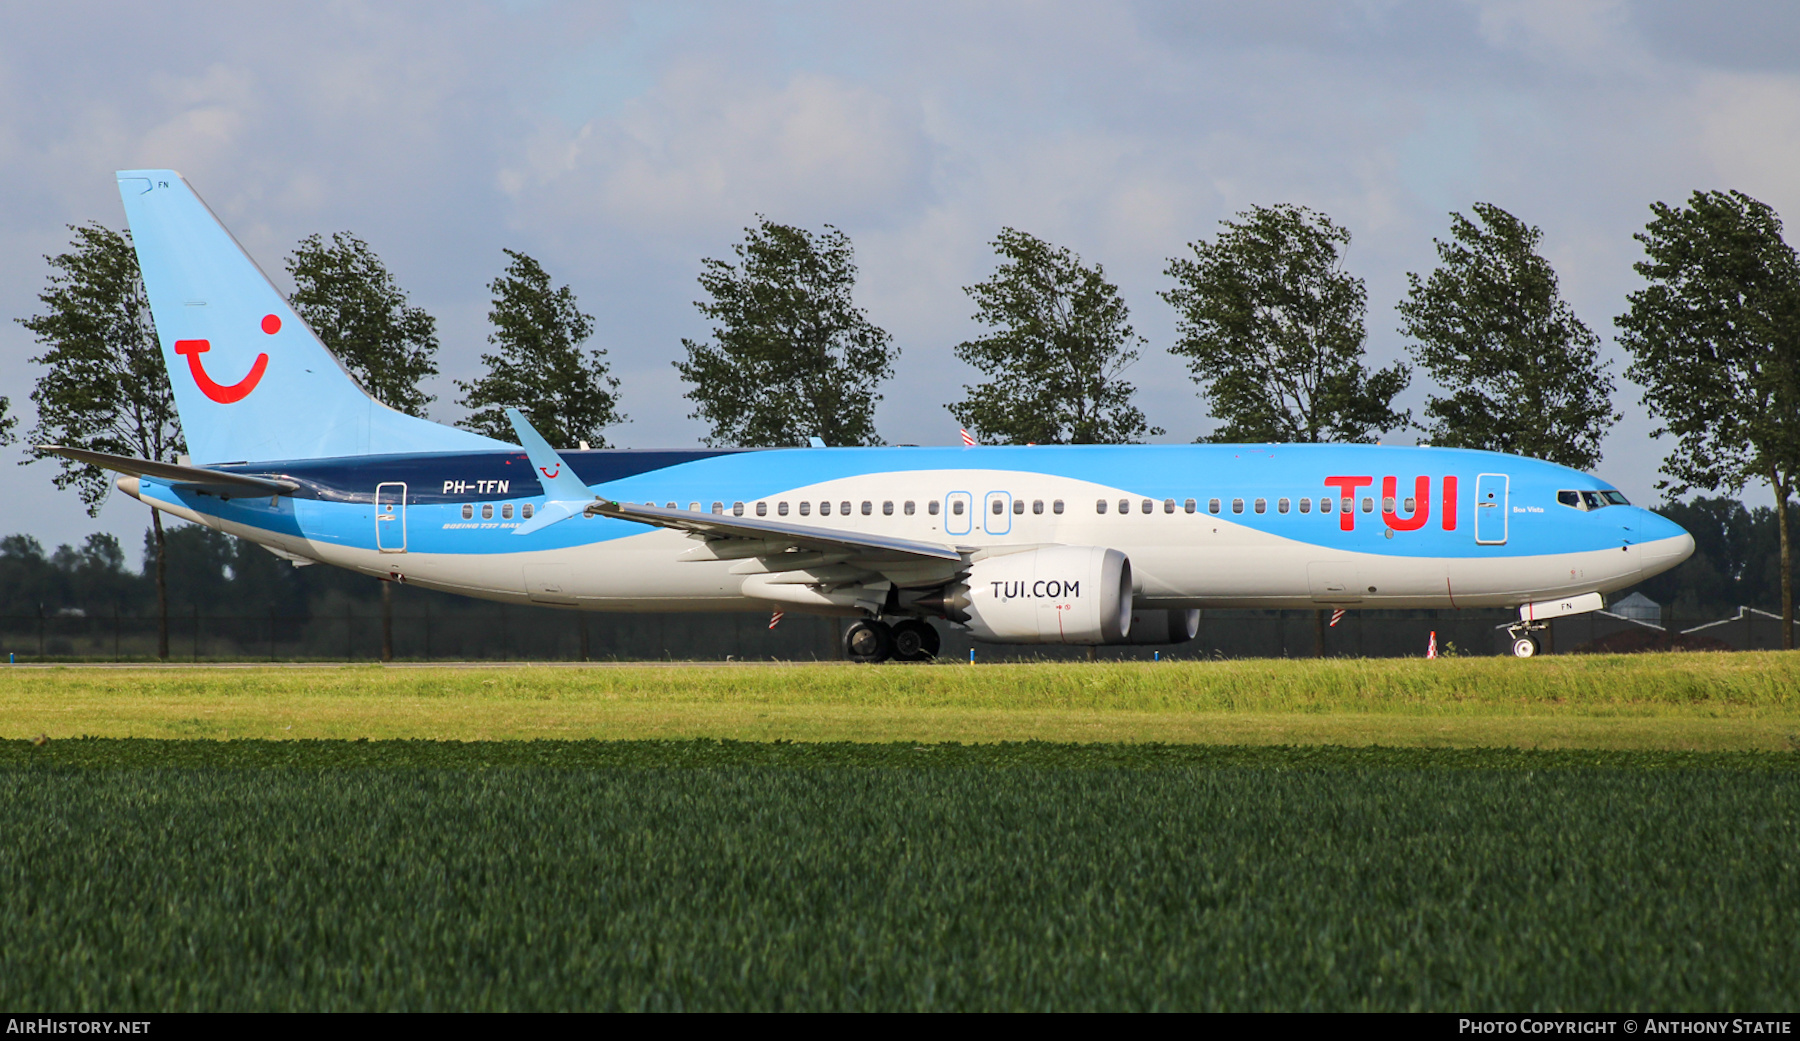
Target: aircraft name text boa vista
(1086, 544)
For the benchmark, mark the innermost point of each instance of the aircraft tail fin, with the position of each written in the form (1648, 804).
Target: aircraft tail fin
(251, 381)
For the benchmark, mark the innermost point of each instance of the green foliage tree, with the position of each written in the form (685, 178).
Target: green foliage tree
(1272, 328)
(26, 577)
(104, 386)
(1061, 338)
(353, 304)
(96, 571)
(1715, 342)
(1736, 559)
(791, 355)
(540, 368)
(7, 421)
(91, 578)
(1524, 374)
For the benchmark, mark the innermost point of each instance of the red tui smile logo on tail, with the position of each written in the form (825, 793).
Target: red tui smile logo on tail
(222, 393)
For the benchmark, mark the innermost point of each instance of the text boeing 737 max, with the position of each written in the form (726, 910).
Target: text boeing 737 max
(1053, 544)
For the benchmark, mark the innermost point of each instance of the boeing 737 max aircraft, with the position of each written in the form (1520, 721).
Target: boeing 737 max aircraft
(1054, 544)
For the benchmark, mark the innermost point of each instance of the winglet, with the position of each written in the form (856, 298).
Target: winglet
(565, 494)
(815, 441)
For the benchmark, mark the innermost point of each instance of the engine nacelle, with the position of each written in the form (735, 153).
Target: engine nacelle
(1060, 594)
(1157, 626)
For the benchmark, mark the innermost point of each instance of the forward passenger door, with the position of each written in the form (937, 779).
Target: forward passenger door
(1491, 508)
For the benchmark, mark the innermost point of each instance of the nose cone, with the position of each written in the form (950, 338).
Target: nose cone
(1662, 543)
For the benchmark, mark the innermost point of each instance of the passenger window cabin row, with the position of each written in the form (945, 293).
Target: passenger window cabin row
(908, 508)
(487, 511)
(1282, 505)
(847, 508)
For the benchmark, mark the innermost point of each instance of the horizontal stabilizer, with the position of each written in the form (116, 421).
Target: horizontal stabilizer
(215, 481)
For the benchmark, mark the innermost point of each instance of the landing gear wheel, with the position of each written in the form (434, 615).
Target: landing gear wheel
(1525, 647)
(915, 640)
(869, 642)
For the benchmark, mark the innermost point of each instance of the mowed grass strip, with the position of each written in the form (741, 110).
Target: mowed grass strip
(1693, 701)
(702, 875)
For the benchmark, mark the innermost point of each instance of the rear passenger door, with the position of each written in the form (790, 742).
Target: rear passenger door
(390, 517)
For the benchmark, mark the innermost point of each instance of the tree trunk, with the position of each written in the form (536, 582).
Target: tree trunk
(162, 587)
(1787, 566)
(387, 620)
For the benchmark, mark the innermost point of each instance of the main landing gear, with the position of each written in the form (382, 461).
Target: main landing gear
(910, 639)
(1524, 638)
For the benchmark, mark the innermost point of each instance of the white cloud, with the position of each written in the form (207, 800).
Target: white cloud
(1583, 31)
(704, 146)
(1748, 127)
(203, 122)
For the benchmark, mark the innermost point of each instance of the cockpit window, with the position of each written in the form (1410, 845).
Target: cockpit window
(1591, 500)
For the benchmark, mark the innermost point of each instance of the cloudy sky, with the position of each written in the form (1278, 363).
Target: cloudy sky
(621, 143)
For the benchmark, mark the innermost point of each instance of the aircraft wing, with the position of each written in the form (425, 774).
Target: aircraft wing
(776, 537)
(218, 482)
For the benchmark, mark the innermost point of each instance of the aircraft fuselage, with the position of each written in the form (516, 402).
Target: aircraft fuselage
(1260, 526)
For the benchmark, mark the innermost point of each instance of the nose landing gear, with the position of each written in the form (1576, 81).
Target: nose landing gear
(1524, 638)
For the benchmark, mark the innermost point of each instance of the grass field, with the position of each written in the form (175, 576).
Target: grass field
(1674, 701)
(1576, 833)
(701, 875)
